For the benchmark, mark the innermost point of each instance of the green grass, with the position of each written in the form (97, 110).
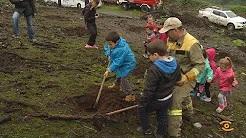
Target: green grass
(119, 10)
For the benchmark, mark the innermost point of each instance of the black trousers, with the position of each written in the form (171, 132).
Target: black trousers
(92, 29)
(161, 109)
(207, 85)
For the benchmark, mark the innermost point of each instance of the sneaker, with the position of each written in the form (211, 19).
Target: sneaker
(198, 94)
(33, 40)
(146, 132)
(205, 98)
(89, 46)
(219, 109)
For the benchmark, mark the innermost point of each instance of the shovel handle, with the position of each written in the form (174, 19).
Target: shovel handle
(99, 93)
(122, 110)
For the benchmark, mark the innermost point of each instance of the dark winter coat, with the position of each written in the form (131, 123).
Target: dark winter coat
(89, 13)
(26, 7)
(160, 80)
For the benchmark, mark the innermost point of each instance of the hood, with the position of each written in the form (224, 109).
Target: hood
(168, 65)
(238, 19)
(211, 53)
(121, 43)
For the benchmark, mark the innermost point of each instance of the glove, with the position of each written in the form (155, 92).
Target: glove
(192, 74)
(183, 80)
(106, 73)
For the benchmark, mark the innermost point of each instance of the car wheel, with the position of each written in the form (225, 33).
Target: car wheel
(78, 5)
(125, 6)
(230, 27)
(145, 8)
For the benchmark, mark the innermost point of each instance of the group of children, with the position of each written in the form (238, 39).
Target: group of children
(165, 70)
(223, 76)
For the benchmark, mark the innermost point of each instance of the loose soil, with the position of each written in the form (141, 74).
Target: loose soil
(110, 100)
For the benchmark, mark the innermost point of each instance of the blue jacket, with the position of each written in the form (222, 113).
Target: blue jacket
(121, 57)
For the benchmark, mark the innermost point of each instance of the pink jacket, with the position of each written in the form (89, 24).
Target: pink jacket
(211, 58)
(224, 79)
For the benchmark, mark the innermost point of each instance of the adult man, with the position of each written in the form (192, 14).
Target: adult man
(26, 7)
(187, 50)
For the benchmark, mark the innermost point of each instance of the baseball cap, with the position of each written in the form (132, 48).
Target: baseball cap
(170, 23)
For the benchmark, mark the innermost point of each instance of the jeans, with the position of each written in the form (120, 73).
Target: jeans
(161, 109)
(16, 18)
(92, 28)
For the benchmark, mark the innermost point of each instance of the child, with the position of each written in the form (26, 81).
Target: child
(160, 80)
(121, 61)
(225, 78)
(90, 16)
(151, 29)
(203, 80)
(151, 25)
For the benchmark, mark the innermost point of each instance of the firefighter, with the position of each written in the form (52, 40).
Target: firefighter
(188, 52)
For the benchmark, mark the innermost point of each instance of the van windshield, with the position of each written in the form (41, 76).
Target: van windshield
(231, 14)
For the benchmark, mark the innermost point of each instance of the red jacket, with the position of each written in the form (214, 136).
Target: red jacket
(225, 79)
(151, 26)
(163, 37)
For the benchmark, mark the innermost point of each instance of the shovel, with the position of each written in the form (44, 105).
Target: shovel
(99, 93)
(122, 110)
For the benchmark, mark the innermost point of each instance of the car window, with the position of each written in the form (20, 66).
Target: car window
(223, 15)
(231, 14)
(216, 12)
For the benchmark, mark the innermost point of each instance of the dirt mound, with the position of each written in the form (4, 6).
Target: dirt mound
(9, 62)
(110, 100)
(74, 31)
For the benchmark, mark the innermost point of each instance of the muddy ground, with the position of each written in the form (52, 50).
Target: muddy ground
(57, 75)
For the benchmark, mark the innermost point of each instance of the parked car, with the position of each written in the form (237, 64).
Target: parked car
(145, 5)
(71, 3)
(223, 17)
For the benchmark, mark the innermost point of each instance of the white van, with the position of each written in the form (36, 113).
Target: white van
(72, 3)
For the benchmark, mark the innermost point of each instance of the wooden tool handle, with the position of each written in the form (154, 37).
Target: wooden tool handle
(122, 110)
(99, 93)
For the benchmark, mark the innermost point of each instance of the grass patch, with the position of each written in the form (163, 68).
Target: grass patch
(238, 9)
(119, 10)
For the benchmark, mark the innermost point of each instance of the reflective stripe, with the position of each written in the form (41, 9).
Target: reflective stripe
(175, 112)
(165, 98)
